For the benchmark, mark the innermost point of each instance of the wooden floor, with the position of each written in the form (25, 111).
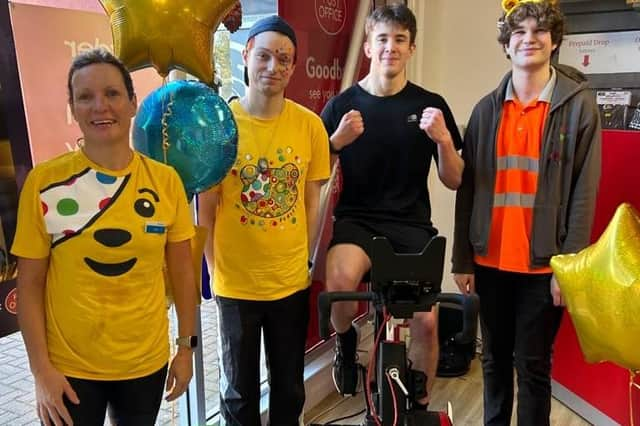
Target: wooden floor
(464, 393)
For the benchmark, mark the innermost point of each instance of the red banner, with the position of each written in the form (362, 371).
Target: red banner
(323, 30)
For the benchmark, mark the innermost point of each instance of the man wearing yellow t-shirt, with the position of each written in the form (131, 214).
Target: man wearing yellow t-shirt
(263, 219)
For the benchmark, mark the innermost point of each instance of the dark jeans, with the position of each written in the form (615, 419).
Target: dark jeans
(519, 323)
(133, 402)
(284, 325)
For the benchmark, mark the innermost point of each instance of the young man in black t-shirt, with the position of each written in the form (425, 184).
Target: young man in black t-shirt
(385, 130)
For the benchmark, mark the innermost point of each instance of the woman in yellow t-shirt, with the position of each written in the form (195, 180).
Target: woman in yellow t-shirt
(95, 229)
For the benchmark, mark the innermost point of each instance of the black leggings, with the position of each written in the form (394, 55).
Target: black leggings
(133, 402)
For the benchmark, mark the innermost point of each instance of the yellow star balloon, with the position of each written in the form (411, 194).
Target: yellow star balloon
(601, 287)
(166, 34)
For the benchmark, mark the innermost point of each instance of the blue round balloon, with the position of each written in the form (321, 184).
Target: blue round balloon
(201, 133)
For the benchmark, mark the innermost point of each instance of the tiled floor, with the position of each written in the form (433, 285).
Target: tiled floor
(17, 397)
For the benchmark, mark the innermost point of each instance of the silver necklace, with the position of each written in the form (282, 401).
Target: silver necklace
(263, 162)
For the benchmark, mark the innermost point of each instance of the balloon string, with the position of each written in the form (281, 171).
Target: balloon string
(165, 129)
(632, 384)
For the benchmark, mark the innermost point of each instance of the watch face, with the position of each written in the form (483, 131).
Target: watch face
(193, 341)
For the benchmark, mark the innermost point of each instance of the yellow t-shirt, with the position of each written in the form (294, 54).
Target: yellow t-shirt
(260, 237)
(105, 234)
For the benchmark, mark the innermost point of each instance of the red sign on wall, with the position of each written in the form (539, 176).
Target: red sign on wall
(323, 30)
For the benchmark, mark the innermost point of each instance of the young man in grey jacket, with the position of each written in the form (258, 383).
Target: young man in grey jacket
(528, 192)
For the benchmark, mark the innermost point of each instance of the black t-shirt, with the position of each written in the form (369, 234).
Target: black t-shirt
(385, 170)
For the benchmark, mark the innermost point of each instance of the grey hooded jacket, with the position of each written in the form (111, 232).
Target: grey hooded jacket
(568, 176)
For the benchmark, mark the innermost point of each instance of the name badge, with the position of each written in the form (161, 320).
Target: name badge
(155, 228)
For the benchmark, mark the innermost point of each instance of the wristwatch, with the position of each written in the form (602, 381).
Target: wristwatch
(187, 341)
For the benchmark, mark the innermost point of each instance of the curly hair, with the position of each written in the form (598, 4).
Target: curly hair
(546, 13)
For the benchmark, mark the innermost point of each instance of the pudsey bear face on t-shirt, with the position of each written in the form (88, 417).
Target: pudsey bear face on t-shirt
(107, 220)
(269, 193)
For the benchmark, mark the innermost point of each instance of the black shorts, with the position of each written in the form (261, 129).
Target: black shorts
(404, 238)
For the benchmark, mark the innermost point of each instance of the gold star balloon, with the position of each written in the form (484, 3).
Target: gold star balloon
(601, 286)
(166, 34)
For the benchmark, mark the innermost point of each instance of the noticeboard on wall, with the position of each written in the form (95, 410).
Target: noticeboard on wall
(602, 53)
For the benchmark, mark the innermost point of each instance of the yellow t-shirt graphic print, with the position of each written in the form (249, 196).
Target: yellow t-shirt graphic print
(270, 193)
(105, 234)
(260, 244)
(72, 204)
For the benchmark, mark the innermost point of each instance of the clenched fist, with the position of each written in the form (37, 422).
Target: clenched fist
(432, 122)
(351, 126)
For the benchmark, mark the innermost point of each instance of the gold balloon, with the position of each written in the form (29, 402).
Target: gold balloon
(166, 34)
(601, 286)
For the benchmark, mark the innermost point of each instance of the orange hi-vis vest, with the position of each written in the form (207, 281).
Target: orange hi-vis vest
(518, 147)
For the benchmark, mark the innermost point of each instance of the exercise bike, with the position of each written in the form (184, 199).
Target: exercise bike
(401, 284)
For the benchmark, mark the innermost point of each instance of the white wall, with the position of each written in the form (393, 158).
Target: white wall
(458, 57)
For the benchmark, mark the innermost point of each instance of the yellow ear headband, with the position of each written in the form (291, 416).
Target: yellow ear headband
(510, 5)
